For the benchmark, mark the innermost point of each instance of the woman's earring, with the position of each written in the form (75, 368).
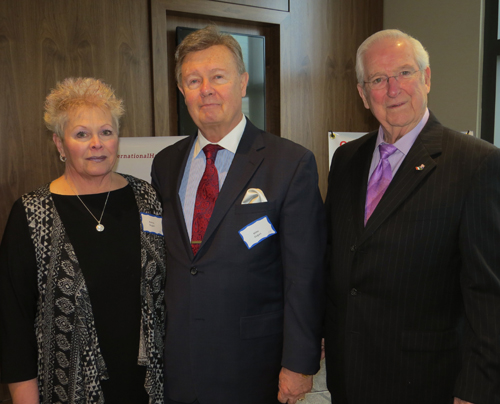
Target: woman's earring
(62, 158)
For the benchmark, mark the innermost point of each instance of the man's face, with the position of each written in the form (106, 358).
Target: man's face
(213, 89)
(398, 107)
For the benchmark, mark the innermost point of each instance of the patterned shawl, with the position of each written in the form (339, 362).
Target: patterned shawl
(70, 363)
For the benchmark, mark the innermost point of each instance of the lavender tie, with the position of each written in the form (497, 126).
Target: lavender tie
(380, 179)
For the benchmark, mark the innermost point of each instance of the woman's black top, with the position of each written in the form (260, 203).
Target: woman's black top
(110, 262)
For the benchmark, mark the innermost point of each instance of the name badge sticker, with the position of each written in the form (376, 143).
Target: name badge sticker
(151, 224)
(257, 231)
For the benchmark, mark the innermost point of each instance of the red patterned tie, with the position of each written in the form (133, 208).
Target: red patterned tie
(208, 191)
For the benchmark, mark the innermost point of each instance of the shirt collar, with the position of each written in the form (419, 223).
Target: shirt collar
(229, 142)
(405, 143)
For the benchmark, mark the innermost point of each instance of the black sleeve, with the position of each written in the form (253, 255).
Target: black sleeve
(18, 300)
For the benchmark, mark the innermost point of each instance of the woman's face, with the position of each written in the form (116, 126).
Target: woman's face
(90, 143)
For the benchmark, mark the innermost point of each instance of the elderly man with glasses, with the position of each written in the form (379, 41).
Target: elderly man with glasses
(413, 307)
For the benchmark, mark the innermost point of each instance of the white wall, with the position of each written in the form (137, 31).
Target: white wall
(452, 33)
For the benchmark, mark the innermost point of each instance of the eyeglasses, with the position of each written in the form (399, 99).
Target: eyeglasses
(381, 82)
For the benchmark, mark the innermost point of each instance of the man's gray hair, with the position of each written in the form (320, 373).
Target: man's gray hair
(421, 55)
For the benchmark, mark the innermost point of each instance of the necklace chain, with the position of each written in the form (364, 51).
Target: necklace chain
(99, 226)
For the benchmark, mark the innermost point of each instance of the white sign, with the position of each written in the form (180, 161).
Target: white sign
(135, 154)
(337, 139)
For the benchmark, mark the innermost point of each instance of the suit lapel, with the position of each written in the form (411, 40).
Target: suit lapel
(426, 147)
(246, 161)
(359, 170)
(183, 149)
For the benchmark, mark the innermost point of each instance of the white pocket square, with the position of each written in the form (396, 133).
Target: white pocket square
(254, 195)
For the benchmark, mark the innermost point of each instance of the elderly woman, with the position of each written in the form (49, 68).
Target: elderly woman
(82, 268)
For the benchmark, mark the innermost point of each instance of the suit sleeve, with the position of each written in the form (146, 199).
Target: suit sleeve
(479, 238)
(303, 241)
(154, 179)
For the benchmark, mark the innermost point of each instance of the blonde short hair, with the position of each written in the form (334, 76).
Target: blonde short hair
(203, 39)
(72, 93)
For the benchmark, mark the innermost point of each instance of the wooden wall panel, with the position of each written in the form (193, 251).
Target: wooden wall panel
(318, 83)
(311, 80)
(316, 42)
(282, 5)
(306, 82)
(355, 20)
(166, 15)
(42, 42)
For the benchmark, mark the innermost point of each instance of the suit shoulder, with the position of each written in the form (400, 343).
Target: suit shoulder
(357, 143)
(285, 147)
(181, 144)
(466, 146)
(174, 149)
(348, 150)
(468, 139)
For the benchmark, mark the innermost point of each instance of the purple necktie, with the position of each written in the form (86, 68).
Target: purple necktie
(380, 179)
(208, 191)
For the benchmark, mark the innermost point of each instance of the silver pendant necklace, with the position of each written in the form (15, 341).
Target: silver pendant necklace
(99, 226)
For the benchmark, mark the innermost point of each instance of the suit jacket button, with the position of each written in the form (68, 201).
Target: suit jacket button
(193, 271)
(354, 292)
(353, 248)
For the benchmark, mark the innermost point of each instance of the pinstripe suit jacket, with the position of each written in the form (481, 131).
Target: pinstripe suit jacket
(413, 306)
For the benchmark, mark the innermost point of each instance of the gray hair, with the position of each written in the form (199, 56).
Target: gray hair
(76, 92)
(204, 39)
(421, 55)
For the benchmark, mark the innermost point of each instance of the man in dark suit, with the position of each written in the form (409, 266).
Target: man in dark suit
(244, 267)
(413, 287)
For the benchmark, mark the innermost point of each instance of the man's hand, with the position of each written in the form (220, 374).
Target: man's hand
(293, 386)
(458, 401)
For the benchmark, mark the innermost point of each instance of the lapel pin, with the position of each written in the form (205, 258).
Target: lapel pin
(420, 167)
